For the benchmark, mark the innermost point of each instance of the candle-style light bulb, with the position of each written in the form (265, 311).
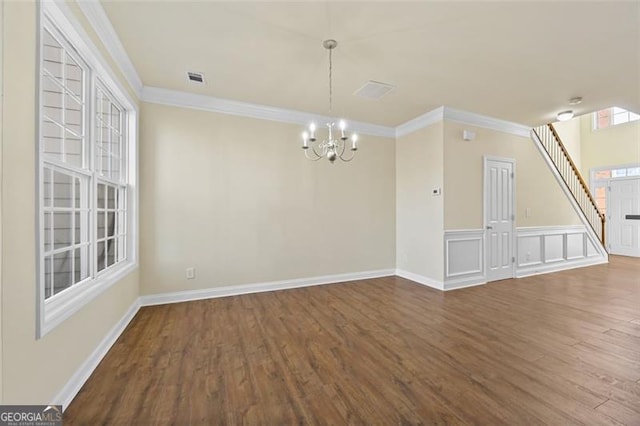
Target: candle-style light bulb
(354, 144)
(312, 130)
(305, 140)
(343, 126)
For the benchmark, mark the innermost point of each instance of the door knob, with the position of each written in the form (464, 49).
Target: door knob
(489, 227)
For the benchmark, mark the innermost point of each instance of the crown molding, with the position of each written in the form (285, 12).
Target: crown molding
(424, 120)
(459, 116)
(101, 24)
(483, 121)
(162, 96)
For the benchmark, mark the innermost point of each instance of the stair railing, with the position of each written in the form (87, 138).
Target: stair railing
(572, 178)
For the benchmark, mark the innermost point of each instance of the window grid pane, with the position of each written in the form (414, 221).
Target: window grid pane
(109, 138)
(66, 240)
(110, 225)
(613, 116)
(63, 106)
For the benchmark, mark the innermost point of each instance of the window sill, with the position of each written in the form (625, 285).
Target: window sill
(55, 312)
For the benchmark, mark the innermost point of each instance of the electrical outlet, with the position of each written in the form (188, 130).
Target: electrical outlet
(191, 273)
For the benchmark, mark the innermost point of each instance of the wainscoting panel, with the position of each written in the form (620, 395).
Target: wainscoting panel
(529, 250)
(464, 258)
(591, 249)
(575, 246)
(554, 248)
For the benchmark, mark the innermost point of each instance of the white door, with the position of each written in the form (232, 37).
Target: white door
(624, 217)
(499, 217)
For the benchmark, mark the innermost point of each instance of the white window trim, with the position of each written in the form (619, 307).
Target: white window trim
(51, 313)
(592, 174)
(594, 122)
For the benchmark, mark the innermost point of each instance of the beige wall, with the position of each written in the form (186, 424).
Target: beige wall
(570, 135)
(419, 214)
(35, 370)
(235, 198)
(536, 187)
(612, 146)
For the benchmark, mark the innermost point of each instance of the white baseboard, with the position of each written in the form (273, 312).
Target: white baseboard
(420, 279)
(559, 266)
(235, 290)
(75, 383)
(457, 284)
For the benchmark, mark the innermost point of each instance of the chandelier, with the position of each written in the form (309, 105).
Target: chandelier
(331, 145)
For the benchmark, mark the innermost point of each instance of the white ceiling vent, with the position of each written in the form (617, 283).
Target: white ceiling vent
(374, 90)
(196, 77)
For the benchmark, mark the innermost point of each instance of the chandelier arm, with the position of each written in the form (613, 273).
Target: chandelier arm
(341, 144)
(306, 154)
(346, 160)
(315, 153)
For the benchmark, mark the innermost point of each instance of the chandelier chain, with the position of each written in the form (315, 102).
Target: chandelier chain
(330, 82)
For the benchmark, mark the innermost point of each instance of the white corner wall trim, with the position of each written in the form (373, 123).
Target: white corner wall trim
(555, 248)
(420, 122)
(235, 290)
(463, 258)
(420, 279)
(162, 96)
(75, 383)
(100, 22)
(491, 123)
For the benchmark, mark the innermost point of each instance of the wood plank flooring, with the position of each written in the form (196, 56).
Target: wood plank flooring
(557, 349)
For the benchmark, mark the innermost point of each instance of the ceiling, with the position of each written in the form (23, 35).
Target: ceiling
(518, 61)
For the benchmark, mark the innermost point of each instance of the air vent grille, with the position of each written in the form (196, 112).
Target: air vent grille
(374, 90)
(196, 77)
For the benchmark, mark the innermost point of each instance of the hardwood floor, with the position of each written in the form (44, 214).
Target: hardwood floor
(555, 349)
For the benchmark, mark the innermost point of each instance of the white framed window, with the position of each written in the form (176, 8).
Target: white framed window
(87, 199)
(602, 176)
(612, 117)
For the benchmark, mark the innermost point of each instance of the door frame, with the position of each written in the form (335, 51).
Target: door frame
(593, 182)
(608, 220)
(514, 238)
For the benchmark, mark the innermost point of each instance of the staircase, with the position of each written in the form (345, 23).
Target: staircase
(557, 153)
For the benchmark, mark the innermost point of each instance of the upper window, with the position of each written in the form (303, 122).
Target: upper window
(612, 117)
(86, 195)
